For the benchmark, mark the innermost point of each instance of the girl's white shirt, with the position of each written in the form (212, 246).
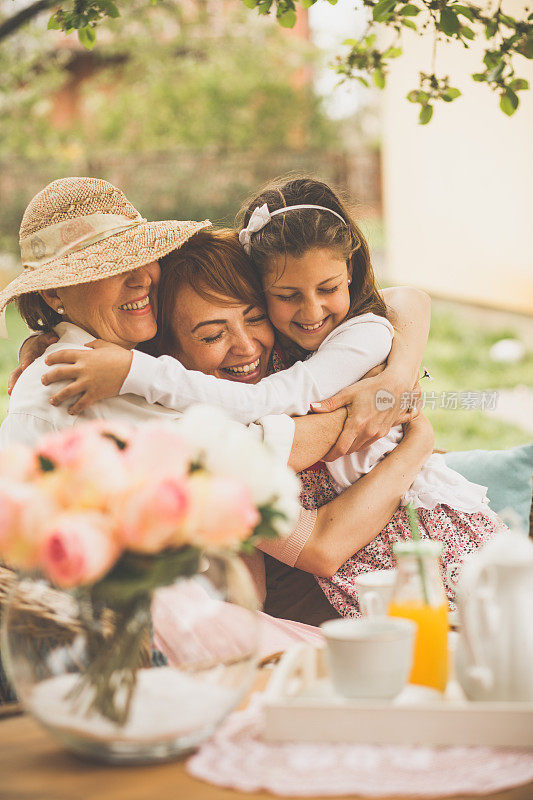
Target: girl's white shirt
(345, 355)
(31, 416)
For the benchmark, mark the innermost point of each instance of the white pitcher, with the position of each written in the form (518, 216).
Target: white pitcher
(495, 603)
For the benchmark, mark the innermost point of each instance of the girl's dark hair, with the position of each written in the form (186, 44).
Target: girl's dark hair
(213, 263)
(36, 312)
(298, 231)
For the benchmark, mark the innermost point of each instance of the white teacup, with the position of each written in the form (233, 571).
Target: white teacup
(375, 591)
(369, 658)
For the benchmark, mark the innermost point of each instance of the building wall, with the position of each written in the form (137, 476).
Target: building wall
(458, 192)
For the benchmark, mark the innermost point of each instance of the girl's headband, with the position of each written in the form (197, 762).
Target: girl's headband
(261, 216)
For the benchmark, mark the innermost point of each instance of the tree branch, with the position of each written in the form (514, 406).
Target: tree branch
(11, 24)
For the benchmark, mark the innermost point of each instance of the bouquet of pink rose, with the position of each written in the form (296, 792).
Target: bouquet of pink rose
(113, 513)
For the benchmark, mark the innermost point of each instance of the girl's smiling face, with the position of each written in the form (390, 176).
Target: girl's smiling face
(221, 337)
(308, 296)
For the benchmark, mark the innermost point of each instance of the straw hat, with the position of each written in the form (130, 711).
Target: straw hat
(79, 230)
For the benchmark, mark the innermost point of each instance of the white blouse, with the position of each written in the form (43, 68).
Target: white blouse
(30, 414)
(345, 355)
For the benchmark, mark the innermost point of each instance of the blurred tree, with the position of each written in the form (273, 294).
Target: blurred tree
(158, 80)
(504, 37)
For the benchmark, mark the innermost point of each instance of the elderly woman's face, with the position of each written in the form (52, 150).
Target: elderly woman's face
(223, 339)
(121, 309)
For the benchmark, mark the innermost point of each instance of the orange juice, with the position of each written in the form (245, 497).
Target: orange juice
(430, 660)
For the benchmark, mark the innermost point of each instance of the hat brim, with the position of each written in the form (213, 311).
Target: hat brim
(119, 253)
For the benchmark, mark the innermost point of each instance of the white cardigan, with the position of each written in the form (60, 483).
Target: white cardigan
(345, 355)
(30, 414)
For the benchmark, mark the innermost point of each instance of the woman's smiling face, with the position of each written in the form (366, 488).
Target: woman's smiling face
(121, 309)
(222, 337)
(308, 296)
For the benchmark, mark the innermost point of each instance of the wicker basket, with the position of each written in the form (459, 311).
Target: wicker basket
(44, 614)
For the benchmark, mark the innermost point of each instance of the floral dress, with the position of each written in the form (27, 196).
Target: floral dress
(460, 534)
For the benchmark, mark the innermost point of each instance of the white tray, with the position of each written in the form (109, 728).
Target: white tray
(301, 705)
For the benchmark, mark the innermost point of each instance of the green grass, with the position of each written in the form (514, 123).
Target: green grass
(9, 353)
(457, 356)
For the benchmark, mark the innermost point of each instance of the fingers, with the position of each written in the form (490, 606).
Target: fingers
(331, 404)
(15, 375)
(349, 438)
(66, 393)
(80, 405)
(98, 344)
(63, 373)
(64, 357)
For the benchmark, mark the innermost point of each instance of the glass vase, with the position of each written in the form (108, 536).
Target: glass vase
(134, 684)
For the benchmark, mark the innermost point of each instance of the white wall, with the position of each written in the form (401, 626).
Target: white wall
(458, 192)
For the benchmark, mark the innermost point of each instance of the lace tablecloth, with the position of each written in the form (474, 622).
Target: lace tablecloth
(237, 758)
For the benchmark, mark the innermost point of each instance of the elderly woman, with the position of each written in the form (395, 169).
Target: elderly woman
(91, 271)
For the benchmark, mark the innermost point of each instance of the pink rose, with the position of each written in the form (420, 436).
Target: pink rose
(18, 462)
(155, 450)
(149, 516)
(66, 448)
(23, 507)
(222, 511)
(90, 469)
(78, 549)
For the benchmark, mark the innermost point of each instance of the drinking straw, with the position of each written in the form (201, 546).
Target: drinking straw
(412, 517)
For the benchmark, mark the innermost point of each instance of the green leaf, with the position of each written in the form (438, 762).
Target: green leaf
(448, 23)
(250, 3)
(45, 465)
(480, 77)
(409, 10)
(288, 19)
(509, 102)
(110, 9)
(408, 23)
(491, 28)
(491, 59)
(465, 11)
(136, 574)
(309, 3)
(382, 9)
(496, 73)
(87, 37)
(526, 48)
(53, 24)
(450, 94)
(362, 80)
(509, 21)
(379, 78)
(468, 33)
(418, 96)
(350, 42)
(519, 84)
(392, 52)
(426, 112)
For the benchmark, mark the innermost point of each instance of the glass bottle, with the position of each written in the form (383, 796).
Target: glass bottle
(419, 595)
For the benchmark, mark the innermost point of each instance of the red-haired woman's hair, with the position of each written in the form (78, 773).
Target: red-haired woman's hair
(213, 263)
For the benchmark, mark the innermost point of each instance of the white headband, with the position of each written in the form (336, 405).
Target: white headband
(261, 216)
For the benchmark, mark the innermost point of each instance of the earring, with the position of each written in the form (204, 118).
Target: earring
(60, 310)
(349, 281)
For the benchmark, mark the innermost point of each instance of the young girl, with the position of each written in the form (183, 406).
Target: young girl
(321, 296)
